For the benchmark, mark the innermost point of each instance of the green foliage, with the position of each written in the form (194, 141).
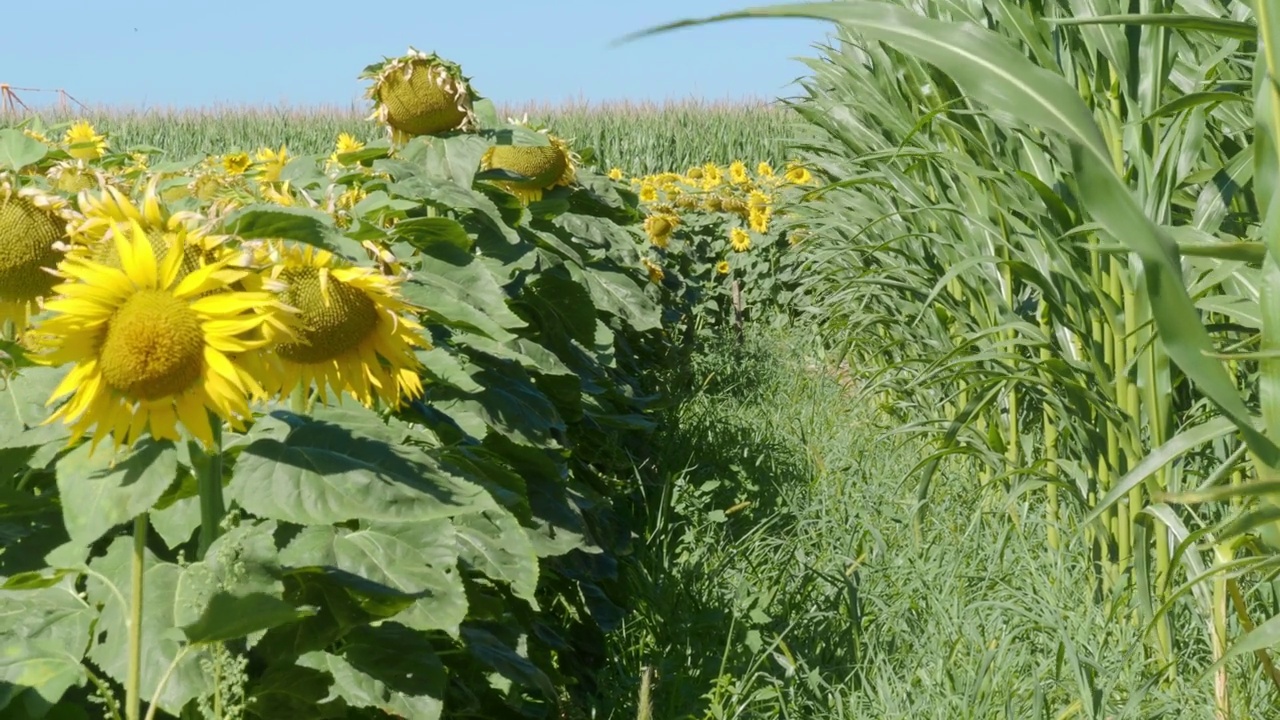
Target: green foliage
(452, 558)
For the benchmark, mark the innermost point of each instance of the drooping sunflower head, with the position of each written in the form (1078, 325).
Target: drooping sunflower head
(33, 234)
(352, 332)
(655, 270)
(420, 94)
(151, 348)
(83, 141)
(71, 177)
(542, 167)
(739, 240)
(659, 228)
(687, 202)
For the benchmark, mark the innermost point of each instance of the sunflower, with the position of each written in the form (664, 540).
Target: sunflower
(722, 267)
(271, 163)
(655, 270)
(739, 240)
(764, 170)
(542, 166)
(276, 193)
(83, 142)
(660, 227)
(797, 174)
(347, 143)
(420, 94)
(615, 173)
(353, 333)
(648, 193)
(738, 173)
(758, 218)
(151, 349)
(236, 163)
(72, 177)
(33, 233)
(36, 135)
(711, 177)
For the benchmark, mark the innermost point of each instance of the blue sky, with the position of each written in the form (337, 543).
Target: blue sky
(158, 54)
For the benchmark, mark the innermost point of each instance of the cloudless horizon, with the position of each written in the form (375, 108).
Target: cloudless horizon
(149, 54)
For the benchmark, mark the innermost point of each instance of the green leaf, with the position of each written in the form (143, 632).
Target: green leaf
(623, 297)
(100, 490)
(162, 602)
(264, 221)
(18, 151)
(426, 233)
(494, 543)
(388, 668)
(1221, 27)
(418, 559)
(22, 408)
(456, 157)
(490, 650)
(44, 667)
(228, 616)
(322, 474)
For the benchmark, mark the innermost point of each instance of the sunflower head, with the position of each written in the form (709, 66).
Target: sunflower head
(655, 270)
(346, 143)
(151, 349)
(738, 173)
(758, 218)
(542, 167)
(687, 202)
(33, 233)
(352, 333)
(72, 177)
(739, 240)
(615, 173)
(798, 174)
(713, 203)
(271, 163)
(764, 170)
(660, 227)
(236, 163)
(83, 142)
(107, 211)
(420, 94)
(648, 193)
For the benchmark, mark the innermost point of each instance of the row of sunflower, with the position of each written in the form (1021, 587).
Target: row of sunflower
(187, 514)
(717, 226)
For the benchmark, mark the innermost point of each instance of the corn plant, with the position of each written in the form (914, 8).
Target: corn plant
(1049, 226)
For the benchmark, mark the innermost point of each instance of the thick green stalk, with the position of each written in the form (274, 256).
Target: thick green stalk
(208, 472)
(133, 680)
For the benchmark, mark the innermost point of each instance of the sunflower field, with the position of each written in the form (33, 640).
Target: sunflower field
(333, 435)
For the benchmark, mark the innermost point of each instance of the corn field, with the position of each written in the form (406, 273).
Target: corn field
(641, 138)
(1050, 231)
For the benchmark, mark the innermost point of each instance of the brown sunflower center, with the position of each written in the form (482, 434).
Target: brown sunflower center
(330, 327)
(154, 347)
(27, 238)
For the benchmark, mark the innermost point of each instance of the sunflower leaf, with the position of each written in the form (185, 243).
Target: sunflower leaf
(18, 151)
(100, 490)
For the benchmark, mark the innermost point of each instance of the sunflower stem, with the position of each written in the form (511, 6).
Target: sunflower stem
(208, 472)
(133, 681)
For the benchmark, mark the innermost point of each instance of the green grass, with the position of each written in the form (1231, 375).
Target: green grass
(979, 620)
(638, 137)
